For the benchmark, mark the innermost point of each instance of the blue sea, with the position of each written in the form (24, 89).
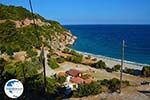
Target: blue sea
(106, 40)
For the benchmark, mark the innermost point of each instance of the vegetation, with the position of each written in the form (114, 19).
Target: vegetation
(66, 50)
(74, 59)
(15, 13)
(53, 63)
(100, 64)
(113, 84)
(88, 89)
(116, 67)
(146, 71)
(129, 71)
(61, 79)
(51, 85)
(75, 56)
(14, 39)
(60, 59)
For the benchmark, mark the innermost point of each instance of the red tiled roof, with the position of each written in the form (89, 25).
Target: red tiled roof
(88, 81)
(77, 80)
(73, 72)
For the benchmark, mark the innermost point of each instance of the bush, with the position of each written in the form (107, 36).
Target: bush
(88, 89)
(66, 50)
(51, 85)
(129, 71)
(114, 84)
(74, 53)
(116, 67)
(31, 53)
(100, 64)
(61, 79)
(60, 59)
(53, 63)
(126, 83)
(74, 59)
(146, 71)
(104, 82)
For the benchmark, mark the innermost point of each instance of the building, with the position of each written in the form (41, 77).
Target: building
(73, 72)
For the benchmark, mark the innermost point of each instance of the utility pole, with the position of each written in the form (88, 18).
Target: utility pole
(44, 71)
(42, 50)
(122, 61)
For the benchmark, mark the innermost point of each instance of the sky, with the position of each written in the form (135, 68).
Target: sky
(90, 11)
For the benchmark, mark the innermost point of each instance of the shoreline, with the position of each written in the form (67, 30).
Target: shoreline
(110, 62)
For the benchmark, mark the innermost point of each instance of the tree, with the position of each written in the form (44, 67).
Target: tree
(74, 59)
(61, 79)
(51, 85)
(129, 71)
(116, 67)
(114, 84)
(53, 63)
(88, 89)
(60, 59)
(66, 50)
(146, 71)
(100, 64)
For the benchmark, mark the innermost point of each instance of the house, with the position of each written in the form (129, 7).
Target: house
(76, 80)
(73, 72)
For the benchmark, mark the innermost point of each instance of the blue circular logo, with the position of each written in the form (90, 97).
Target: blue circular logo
(13, 88)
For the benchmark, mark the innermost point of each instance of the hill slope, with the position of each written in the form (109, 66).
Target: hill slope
(19, 33)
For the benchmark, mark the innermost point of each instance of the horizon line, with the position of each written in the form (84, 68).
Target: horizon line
(105, 24)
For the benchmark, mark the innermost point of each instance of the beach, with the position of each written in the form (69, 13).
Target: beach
(110, 62)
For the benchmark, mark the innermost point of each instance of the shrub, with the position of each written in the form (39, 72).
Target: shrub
(74, 53)
(104, 82)
(31, 53)
(114, 84)
(116, 67)
(74, 59)
(66, 50)
(129, 71)
(2, 64)
(126, 83)
(61, 79)
(100, 64)
(60, 59)
(88, 89)
(146, 71)
(51, 85)
(53, 63)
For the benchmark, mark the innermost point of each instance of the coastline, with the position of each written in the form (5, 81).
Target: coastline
(110, 62)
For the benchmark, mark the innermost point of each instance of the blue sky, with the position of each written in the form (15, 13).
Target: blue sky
(90, 11)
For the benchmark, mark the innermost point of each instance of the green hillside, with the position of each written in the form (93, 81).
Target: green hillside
(15, 39)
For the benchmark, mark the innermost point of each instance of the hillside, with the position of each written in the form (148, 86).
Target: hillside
(18, 32)
(21, 39)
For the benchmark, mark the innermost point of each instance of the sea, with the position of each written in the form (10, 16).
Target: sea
(106, 41)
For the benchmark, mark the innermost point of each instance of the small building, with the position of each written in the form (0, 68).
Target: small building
(73, 72)
(76, 80)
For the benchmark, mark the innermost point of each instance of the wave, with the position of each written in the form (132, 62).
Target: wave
(114, 59)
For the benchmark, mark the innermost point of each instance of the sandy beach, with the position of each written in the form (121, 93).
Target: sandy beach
(110, 62)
